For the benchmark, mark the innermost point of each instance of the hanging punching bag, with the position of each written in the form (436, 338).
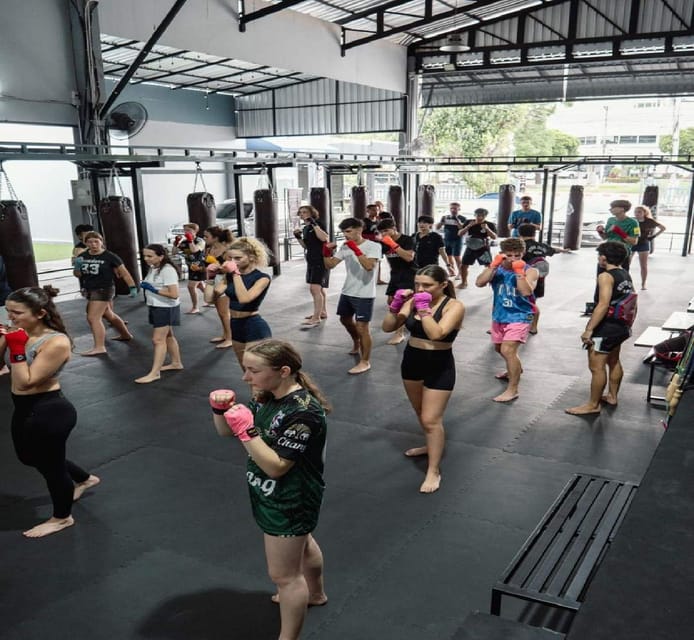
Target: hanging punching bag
(319, 199)
(426, 200)
(16, 246)
(201, 209)
(396, 204)
(650, 199)
(116, 214)
(574, 218)
(359, 202)
(507, 194)
(265, 207)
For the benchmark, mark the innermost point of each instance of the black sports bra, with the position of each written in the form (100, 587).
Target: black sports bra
(416, 329)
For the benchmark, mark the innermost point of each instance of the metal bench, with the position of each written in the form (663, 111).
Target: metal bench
(556, 563)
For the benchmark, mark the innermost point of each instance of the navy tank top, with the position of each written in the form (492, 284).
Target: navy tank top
(249, 279)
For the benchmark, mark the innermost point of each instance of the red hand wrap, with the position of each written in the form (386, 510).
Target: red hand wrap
(16, 343)
(354, 247)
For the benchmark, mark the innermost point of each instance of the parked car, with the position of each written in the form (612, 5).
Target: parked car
(225, 218)
(589, 235)
(488, 201)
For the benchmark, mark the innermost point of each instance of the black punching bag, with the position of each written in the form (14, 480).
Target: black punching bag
(116, 214)
(201, 209)
(574, 218)
(426, 200)
(507, 193)
(16, 246)
(396, 205)
(319, 199)
(266, 223)
(359, 202)
(650, 199)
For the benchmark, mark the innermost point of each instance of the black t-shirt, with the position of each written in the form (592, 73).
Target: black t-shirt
(314, 246)
(97, 271)
(395, 262)
(369, 230)
(535, 250)
(477, 235)
(451, 225)
(426, 248)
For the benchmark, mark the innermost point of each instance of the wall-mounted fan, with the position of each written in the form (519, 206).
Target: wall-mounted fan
(126, 120)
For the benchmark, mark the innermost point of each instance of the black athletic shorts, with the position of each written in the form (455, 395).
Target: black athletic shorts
(481, 255)
(435, 368)
(609, 334)
(317, 274)
(400, 280)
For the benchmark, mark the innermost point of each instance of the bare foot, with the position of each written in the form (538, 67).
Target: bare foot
(360, 367)
(396, 339)
(416, 451)
(50, 526)
(609, 399)
(122, 338)
(502, 376)
(311, 322)
(431, 483)
(583, 410)
(193, 311)
(147, 379)
(314, 599)
(225, 344)
(356, 350)
(506, 396)
(5, 370)
(462, 285)
(81, 487)
(94, 352)
(174, 366)
(217, 339)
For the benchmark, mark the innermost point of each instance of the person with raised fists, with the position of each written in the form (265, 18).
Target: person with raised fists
(43, 418)
(356, 303)
(283, 430)
(433, 317)
(513, 283)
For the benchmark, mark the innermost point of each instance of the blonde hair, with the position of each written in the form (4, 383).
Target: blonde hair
(646, 210)
(278, 354)
(256, 251)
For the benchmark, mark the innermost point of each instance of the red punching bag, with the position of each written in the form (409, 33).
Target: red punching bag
(116, 214)
(16, 246)
(265, 206)
(201, 209)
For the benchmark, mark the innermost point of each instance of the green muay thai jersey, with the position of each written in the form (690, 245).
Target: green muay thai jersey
(295, 428)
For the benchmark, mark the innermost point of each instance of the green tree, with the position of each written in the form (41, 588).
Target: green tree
(530, 136)
(563, 144)
(686, 142)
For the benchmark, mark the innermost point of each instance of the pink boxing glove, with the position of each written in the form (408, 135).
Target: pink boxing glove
(518, 267)
(619, 231)
(399, 299)
(221, 400)
(240, 421)
(16, 343)
(422, 302)
(230, 266)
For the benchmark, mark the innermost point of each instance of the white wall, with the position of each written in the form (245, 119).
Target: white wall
(44, 186)
(287, 39)
(36, 62)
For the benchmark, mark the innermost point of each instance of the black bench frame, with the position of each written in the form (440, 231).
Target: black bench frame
(556, 563)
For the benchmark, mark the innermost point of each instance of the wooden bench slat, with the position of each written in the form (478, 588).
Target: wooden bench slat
(553, 556)
(586, 538)
(531, 552)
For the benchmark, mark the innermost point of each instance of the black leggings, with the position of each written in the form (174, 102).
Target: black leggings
(41, 424)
